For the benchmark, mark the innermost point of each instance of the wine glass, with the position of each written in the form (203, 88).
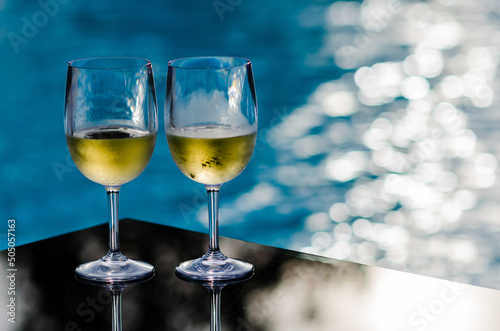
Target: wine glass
(110, 121)
(115, 291)
(211, 127)
(214, 288)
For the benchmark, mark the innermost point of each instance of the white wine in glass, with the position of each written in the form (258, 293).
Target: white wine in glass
(110, 121)
(211, 127)
(111, 156)
(211, 154)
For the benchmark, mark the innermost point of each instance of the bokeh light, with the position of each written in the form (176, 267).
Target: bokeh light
(401, 153)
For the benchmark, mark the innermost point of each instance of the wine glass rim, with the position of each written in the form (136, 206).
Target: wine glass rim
(121, 63)
(243, 62)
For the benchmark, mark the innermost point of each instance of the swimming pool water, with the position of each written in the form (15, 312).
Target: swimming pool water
(377, 125)
(41, 187)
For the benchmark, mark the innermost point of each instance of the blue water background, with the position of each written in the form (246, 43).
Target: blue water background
(378, 125)
(41, 188)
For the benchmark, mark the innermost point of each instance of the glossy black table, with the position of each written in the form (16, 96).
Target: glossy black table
(289, 291)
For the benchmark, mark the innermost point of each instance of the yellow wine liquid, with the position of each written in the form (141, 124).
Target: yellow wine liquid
(211, 155)
(111, 156)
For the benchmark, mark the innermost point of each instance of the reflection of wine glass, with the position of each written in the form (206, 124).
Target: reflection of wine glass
(116, 307)
(211, 126)
(115, 289)
(214, 288)
(111, 125)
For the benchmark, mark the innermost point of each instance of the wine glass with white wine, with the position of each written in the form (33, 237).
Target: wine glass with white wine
(110, 121)
(211, 127)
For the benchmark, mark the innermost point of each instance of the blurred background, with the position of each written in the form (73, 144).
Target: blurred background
(378, 138)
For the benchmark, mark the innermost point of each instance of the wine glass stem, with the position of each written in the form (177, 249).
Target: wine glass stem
(116, 296)
(213, 217)
(215, 309)
(114, 242)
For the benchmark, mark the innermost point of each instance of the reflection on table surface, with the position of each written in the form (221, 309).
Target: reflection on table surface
(289, 291)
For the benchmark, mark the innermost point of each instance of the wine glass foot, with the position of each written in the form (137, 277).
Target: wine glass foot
(214, 267)
(115, 269)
